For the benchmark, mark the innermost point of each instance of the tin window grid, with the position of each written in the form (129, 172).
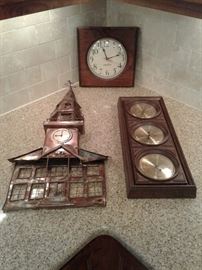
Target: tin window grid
(57, 189)
(18, 192)
(24, 173)
(37, 191)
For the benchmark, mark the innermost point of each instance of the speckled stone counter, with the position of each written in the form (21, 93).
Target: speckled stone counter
(164, 233)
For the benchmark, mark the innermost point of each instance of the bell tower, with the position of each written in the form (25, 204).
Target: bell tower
(63, 127)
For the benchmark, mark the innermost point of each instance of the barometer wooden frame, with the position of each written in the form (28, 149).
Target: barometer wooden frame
(181, 185)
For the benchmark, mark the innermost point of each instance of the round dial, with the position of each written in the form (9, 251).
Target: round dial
(157, 167)
(107, 58)
(143, 110)
(149, 134)
(62, 135)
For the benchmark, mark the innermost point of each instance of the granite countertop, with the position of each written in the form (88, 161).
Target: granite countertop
(164, 233)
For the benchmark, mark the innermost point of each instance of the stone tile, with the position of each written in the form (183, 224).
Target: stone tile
(63, 46)
(1, 104)
(150, 64)
(51, 31)
(185, 77)
(189, 34)
(0, 42)
(27, 58)
(100, 19)
(189, 96)
(10, 63)
(92, 5)
(61, 13)
(164, 87)
(15, 100)
(53, 68)
(74, 60)
(180, 55)
(20, 80)
(18, 40)
(42, 89)
(144, 78)
(11, 24)
(65, 77)
(36, 18)
(195, 62)
(44, 32)
(80, 21)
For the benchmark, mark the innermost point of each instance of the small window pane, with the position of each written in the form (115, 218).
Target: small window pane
(57, 190)
(93, 170)
(77, 171)
(76, 190)
(25, 173)
(41, 172)
(94, 178)
(58, 171)
(18, 192)
(95, 189)
(37, 191)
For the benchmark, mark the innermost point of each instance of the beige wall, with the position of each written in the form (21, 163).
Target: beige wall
(38, 52)
(169, 50)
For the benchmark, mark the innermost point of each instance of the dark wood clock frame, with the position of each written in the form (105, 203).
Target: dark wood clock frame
(88, 35)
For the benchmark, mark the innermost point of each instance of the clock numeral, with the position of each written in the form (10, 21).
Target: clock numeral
(106, 43)
(114, 70)
(98, 44)
(107, 72)
(95, 51)
(120, 65)
(91, 58)
(95, 66)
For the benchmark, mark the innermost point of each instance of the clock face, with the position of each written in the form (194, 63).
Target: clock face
(107, 58)
(62, 135)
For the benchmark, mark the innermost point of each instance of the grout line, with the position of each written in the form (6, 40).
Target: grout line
(36, 100)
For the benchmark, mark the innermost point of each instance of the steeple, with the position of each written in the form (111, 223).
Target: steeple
(67, 109)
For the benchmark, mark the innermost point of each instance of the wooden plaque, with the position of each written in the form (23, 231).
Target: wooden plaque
(123, 36)
(155, 166)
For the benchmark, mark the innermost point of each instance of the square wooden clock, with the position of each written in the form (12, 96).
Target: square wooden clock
(107, 56)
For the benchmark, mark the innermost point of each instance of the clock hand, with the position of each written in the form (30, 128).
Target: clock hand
(113, 56)
(105, 53)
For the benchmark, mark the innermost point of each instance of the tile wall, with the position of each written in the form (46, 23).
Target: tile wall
(38, 52)
(169, 50)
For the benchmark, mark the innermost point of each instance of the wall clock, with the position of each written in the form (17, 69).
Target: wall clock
(107, 56)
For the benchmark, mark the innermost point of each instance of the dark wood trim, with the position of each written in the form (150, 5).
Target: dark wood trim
(191, 8)
(104, 253)
(14, 8)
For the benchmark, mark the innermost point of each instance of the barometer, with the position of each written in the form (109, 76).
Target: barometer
(155, 166)
(143, 110)
(149, 134)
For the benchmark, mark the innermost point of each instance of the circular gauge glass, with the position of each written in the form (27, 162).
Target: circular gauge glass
(157, 167)
(62, 135)
(143, 110)
(149, 134)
